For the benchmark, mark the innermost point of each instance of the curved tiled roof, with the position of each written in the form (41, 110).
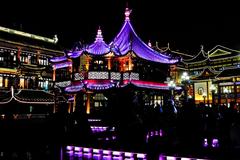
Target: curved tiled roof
(34, 96)
(200, 57)
(127, 40)
(27, 96)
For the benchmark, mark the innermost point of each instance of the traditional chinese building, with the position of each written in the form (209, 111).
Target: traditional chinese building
(95, 68)
(214, 75)
(24, 66)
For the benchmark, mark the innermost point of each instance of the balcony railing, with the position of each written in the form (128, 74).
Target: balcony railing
(112, 75)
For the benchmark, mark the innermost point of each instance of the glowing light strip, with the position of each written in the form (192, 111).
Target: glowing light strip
(100, 86)
(62, 65)
(33, 36)
(105, 154)
(8, 70)
(58, 59)
(147, 84)
(74, 88)
(75, 54)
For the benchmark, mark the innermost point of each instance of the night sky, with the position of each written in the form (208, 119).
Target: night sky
(185, 25)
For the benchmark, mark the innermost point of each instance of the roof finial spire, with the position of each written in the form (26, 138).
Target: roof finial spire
(127, 13)
(168, 45)
(99, 36)
(149, 43)
(201, 47)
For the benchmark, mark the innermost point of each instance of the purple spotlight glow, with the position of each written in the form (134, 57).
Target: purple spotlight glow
(151, 133)
(141, 155)
(160, 132)
(96, 150)
(161, 157)
(117, 153)
(171, 158)
(117, 158)
(128, 154)
(107, 157)
(87, 149)
(205, 142)
(69, 148)
(215, 143)
(107, 152)
(77, 149)
(97, 156)
(87, 155)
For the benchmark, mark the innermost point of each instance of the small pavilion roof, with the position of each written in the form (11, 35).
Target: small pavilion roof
(221, 52)
(205, 74)
(99, 47)
(168, 51)
(200, 57)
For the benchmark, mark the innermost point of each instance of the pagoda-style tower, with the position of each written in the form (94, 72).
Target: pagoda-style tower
(126, 60)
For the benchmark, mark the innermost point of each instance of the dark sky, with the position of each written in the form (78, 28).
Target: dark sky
(185, 25)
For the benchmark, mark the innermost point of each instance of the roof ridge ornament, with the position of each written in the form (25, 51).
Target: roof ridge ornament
(149, 43)
(127, 13)
(202, 48)
(99, 36)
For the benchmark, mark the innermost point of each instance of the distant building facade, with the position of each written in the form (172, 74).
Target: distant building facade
(214, 75)
(24, 66)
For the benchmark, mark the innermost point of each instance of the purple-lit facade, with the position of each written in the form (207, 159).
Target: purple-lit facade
(126, 60)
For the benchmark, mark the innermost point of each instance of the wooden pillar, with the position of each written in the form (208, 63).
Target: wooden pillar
(69, 107)
(19, 54)
(37, 57)
(235, 89)
(55, 103)
(129, 63)
(208, 93)
(109, 65)
(74, 103)
(54, 75)
(219, 94)
(87, 63)
(88, 102)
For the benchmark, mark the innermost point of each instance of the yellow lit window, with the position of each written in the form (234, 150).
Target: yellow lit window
(21, 82)
(1, 81)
